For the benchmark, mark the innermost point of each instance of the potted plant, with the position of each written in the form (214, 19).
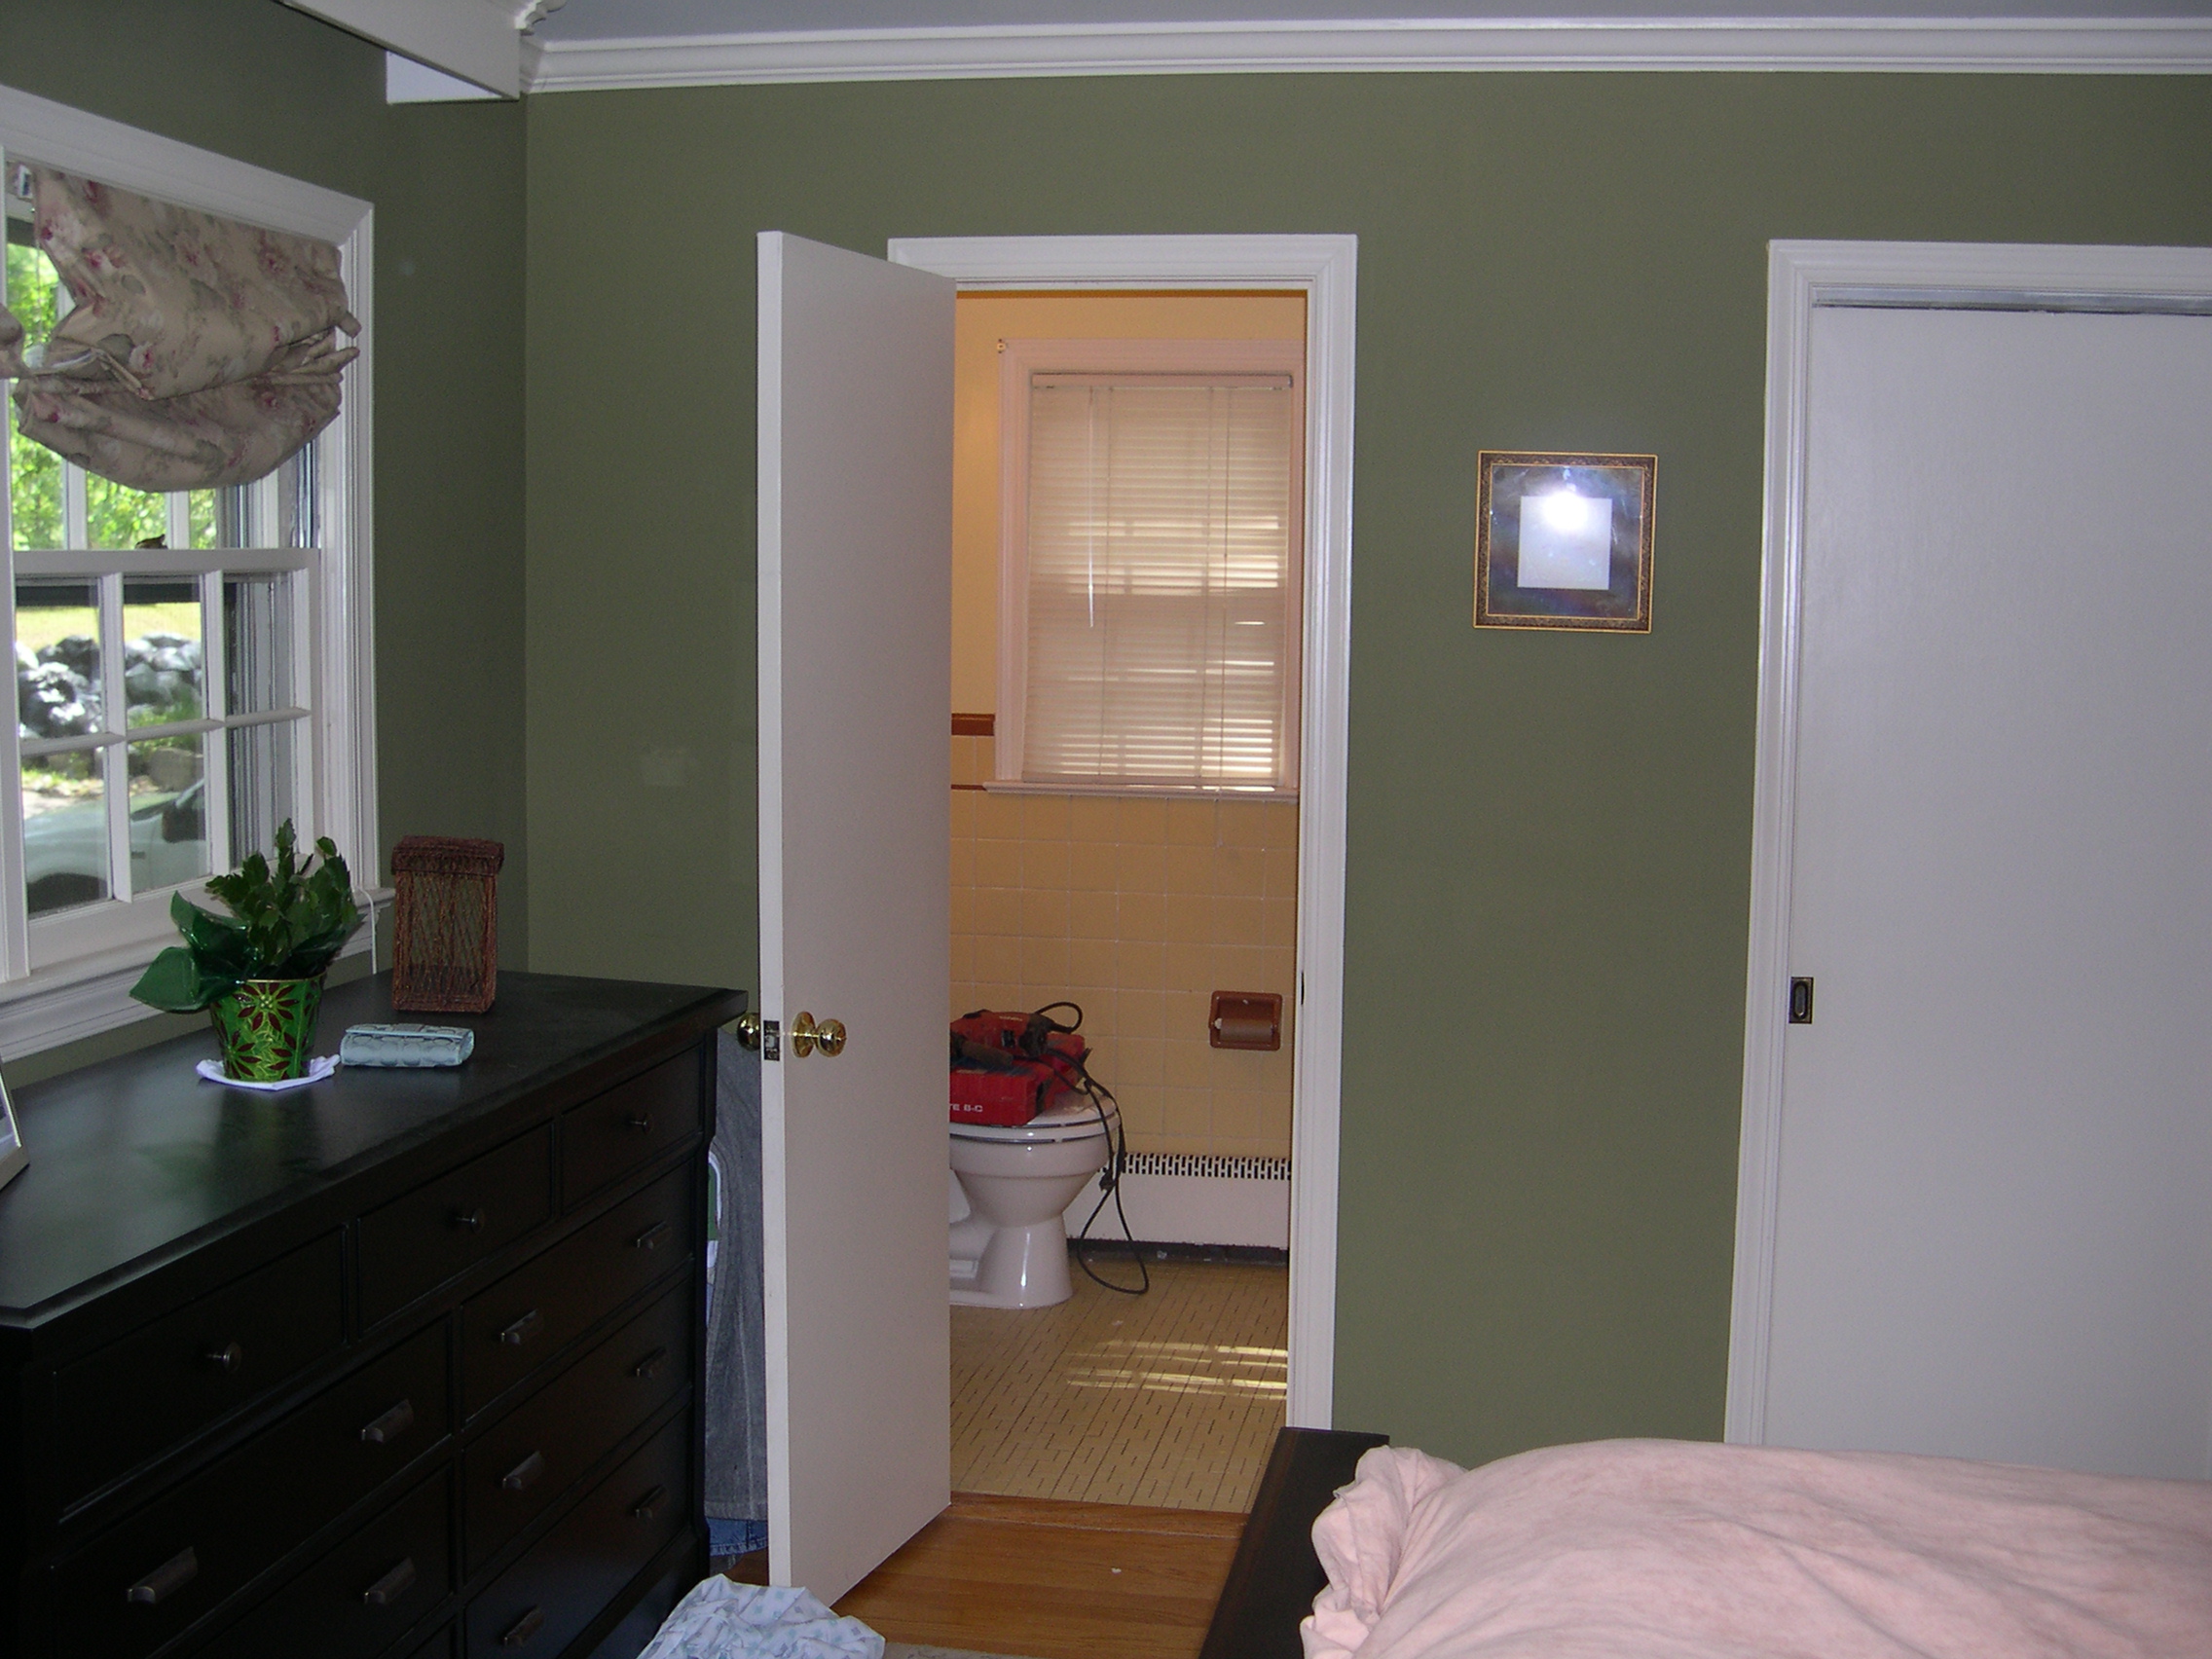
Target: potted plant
(259, 970)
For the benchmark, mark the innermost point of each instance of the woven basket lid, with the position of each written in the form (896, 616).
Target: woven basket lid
(446, 855)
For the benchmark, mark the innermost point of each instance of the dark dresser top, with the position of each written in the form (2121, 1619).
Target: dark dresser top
(136, 1159)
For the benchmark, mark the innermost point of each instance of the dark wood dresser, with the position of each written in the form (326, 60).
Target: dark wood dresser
(405, 1362)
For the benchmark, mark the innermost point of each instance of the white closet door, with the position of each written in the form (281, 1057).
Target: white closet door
(1994, 1218)
(856, 623)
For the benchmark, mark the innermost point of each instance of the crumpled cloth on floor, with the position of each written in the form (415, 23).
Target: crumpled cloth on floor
(722, 1620)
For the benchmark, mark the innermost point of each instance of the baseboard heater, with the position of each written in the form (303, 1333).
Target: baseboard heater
(1181, 1198)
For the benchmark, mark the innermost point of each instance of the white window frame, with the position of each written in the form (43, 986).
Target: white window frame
(59, 982)
(1020, 362)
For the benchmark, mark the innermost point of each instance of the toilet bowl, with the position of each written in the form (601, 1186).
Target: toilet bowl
(1010, 1248)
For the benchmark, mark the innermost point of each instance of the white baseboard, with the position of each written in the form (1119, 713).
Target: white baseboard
(1192, 1209)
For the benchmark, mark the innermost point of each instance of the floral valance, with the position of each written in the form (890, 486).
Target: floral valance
(198, 350)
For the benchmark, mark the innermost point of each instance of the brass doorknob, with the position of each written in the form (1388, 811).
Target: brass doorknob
(807, 1036)
(749, 1031)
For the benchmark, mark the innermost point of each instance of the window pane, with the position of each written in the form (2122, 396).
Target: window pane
(64, 831)
(257, 642)
(163, 676)
(168, 811)
(298, 504)
(57, 657)
(219, 517)
(117, 517)
(34, 471)
(261, 786)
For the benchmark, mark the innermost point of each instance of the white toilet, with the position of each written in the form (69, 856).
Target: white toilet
(1010, 1248)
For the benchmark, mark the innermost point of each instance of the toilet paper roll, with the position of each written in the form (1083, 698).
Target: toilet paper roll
(1245, 1033)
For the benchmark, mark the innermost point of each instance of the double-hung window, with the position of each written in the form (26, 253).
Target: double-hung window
(1152, 508)
(191, 668)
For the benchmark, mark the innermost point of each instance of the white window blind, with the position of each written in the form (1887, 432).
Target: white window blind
(1161, 579)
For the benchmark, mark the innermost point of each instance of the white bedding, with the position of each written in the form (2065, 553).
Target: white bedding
(1656, 1549)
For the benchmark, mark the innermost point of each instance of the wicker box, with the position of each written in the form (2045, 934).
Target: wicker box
(445, 946)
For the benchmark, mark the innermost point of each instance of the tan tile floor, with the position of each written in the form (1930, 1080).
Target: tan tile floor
(1171, 1400)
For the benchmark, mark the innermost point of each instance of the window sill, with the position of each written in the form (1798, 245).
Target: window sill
(1153, 792)
(91, 994)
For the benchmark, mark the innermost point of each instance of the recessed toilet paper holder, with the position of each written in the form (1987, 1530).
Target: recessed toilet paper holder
(1245, 1020)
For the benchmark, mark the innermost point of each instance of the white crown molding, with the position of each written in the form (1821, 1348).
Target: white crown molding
(2020, 45)
(478, 41)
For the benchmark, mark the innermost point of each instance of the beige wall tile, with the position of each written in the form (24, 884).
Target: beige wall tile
(1142, 963)
(963, 910)
(963, 871)
(1044, 865)
(1278, 923)
(1188, 1113)
(1238, 920)
(963, 959)
(1045, 912)
(1143, 916)
(1241, 968)
(1187, 869)
(1043, 967)
(998, 817)
(1237, 1112)
(1093, 867)
(998, 961)
(1140, 1012)
(1044, 816)
(1141, 867)
(1143, 1060)
(1094, 817)
(1241, 871)
(997, 864)
(998, 910)
(964, 813)
(1144, 820)
(1187, 1012)
(1189, 919)
(1094, 915)
(1281, 871)
(1191, 968)
(1190, 1064)
(1190, 824)
(1094, 964)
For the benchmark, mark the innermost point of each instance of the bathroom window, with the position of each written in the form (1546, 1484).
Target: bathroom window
(1152, 507)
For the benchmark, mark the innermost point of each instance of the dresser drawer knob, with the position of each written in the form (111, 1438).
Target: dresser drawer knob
(226, 1359)
(651, 1238)
(166, 1580)
(389, 1427)
(523, 1329)
(643, 1509)
(641, 1122)
(524, 1474)
(469, 1220)
(391, 1586)
(519, 1632)
(649, 1367)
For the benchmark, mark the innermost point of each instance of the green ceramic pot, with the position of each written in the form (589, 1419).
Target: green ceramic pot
(266, 1028)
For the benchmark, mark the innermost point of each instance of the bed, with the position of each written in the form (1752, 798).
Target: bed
(1647, 1549)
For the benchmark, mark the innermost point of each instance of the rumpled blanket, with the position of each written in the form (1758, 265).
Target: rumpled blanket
(722, 1620)
(1656, 1549)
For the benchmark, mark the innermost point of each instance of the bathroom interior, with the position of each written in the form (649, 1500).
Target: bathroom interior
(1155, 1376)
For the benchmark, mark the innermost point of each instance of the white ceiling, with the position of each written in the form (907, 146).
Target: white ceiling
(635, 19)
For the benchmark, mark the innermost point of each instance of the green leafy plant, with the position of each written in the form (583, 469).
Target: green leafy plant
(288, 922)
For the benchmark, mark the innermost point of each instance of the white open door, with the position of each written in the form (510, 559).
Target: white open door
(856, 583)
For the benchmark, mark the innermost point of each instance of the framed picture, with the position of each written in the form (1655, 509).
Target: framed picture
(12, 1158)
(1563, 540)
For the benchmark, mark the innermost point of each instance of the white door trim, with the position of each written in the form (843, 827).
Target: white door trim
(1325, 267)
(1800, 277)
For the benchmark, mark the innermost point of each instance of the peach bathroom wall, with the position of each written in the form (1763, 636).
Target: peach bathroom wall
(1138, 909)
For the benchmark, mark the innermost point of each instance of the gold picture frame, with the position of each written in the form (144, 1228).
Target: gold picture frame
(1563, 540)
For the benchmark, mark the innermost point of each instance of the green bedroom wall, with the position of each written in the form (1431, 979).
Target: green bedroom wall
(261, 83)
(1549, 835)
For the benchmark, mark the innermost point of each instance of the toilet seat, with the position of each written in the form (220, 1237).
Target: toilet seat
(1069, 1121)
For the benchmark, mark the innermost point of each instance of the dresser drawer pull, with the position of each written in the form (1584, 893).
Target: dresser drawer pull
(226, 1359)
(522, 1629)
(166, 1580)
(641, 1122)
(649, 1367)
(651, 1239)
(469, 1221)
(643, 1509)
(524, 1474)
(384, 1430)
(391, 1586)
(523, 1329)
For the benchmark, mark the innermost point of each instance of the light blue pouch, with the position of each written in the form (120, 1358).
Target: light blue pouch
(406, 1044)
(722, 1620)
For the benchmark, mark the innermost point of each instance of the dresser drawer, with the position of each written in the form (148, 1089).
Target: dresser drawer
(136, 1397)
(356, 1600)
(440, 1646)
(604, 1139)
(537, 1606)
(539, 1309)
(537, 1453)
(416, 1244)
(138, 1584)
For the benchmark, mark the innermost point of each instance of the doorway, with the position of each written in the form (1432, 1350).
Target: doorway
(1972, 1218)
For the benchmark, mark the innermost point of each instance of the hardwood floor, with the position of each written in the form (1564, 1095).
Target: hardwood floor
(1045, 1579)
